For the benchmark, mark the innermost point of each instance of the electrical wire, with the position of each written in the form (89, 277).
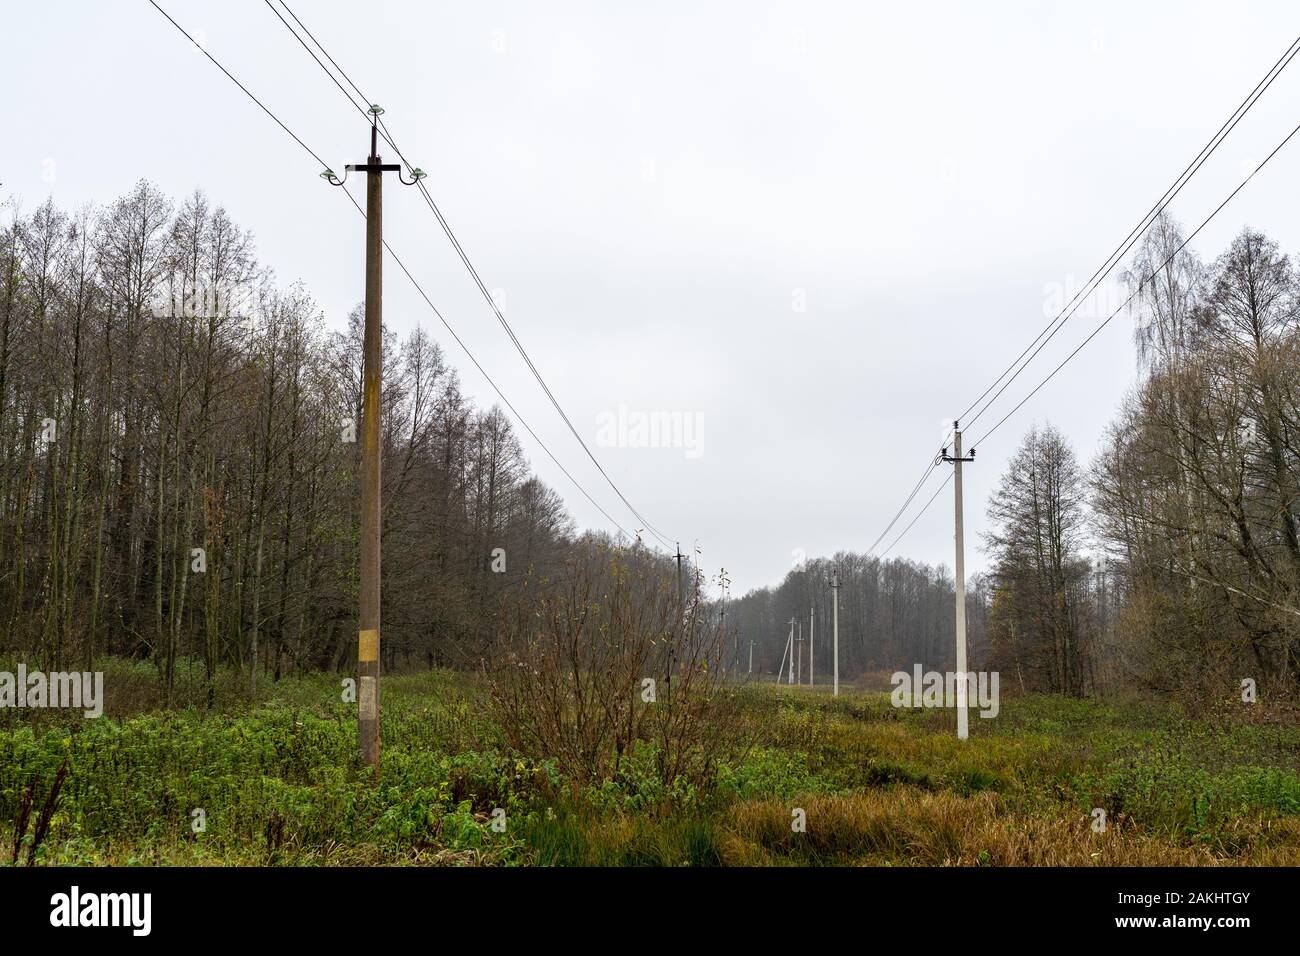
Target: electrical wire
(405, 270)
(1206, 221)
(929, 470)
(924, 508)
(1136, 233)
(1101, 273)
(1133, 294)
(465, 260)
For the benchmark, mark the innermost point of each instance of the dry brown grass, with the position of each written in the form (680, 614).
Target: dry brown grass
(916, 827)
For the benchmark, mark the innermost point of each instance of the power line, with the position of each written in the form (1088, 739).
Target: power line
(313, 55)
(925, 474)
(1133, 294)
(420, 289)
(231, 76)
(1135, 234)
(404, 269)
(929, 469)
(465, 260)
(924, 508)
(1107, 320)
(333, 62)
(1102, 271)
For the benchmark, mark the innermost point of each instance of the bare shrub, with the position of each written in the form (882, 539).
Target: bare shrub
(608, 658)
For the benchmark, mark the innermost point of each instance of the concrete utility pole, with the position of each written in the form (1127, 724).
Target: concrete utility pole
(371, 415)
(789, 642)
(791, 677)
(812, 643)
(956, 459)
(1102, 566)
(727, 665)
(835, 626)
(681, 622)
(680, 602)
(799, 640)
(751, 655)
(722, 650)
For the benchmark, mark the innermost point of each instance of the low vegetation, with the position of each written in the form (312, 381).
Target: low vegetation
(277, 782)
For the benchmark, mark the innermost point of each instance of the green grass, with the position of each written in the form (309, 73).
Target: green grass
(279, 784)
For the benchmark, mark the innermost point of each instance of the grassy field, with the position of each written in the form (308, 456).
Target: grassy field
(278, 785)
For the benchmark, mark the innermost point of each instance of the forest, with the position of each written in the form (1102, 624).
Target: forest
(1169, 563)
(178, 514)
(178, 460)
(179, 478)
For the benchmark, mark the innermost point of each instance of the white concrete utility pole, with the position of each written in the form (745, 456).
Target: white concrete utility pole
(956, 459)
(812, 644)
(835, 628)
(751, 655)
(799, 656)
(791, 651)
(789, 648)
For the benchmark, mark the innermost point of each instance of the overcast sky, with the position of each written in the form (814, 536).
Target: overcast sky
(813, 229)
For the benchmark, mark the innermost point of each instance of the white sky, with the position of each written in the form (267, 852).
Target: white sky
(652, 184)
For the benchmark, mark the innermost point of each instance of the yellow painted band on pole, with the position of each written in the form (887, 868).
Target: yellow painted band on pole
(368, 650)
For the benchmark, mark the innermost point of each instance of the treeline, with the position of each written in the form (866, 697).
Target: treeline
(892, 613)
(178, 464)
(178, 480)
(1195, 493)
(1172, 562)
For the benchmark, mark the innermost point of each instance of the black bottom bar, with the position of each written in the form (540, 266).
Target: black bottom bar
(906, 905)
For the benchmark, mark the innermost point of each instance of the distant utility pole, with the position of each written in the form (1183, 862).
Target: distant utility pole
(371, 414)
(680, 599)
(835, 626)
(681, 621)
(799, 641)
(752, 642)
(785, 649)
(727, 665)
(956, 459)
(812, 643)
(791, 642)
(1102, 567)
